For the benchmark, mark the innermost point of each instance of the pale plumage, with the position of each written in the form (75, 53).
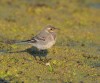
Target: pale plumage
(45, 39)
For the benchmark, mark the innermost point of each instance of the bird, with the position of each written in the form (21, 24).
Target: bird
(45, 39)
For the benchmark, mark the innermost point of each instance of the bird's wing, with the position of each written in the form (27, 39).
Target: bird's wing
(35, 39)
(32, 40)
(40, 38)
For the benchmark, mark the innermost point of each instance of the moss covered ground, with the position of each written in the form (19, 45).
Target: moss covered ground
(75, 58)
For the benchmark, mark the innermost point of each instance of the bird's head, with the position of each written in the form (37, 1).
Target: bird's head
(51, 29)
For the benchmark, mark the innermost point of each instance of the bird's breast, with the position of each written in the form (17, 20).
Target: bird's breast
(45, 46)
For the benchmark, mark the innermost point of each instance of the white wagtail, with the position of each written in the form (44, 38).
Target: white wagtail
(45, 39)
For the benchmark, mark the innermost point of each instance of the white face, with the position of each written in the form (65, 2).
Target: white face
(50, 29)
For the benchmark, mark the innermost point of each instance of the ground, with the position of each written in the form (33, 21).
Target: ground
(75, 58)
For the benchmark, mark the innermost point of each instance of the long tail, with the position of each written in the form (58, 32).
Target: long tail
(16, 42)
(23, 42)
(20, 42)
(8, 41)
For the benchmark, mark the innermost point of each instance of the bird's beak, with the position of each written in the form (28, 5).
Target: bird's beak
(57, 29)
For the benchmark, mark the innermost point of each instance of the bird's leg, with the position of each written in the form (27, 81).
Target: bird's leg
(35, 58)
(45, 58)
(40, 58)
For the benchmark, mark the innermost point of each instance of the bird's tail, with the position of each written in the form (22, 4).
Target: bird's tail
(21, 42)
(16, 42)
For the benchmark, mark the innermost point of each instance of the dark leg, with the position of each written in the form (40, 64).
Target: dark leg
(40, 58)
(45, 58)
(35, 58)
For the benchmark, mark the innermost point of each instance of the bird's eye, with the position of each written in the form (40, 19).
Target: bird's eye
(50, 29)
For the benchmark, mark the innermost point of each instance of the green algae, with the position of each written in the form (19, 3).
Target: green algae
(76, 56)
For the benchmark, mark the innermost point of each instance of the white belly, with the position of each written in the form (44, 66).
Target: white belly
(46, 46)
